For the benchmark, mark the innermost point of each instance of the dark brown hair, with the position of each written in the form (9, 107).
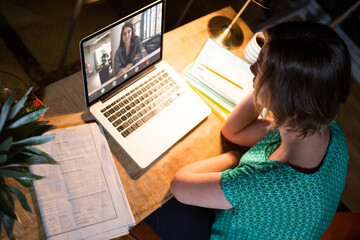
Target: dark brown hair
(305, 72)
(129, 25)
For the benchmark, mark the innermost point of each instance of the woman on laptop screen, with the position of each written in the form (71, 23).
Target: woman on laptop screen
(288, 184)
(129, 51)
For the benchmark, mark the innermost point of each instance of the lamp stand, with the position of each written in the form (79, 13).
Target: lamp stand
(226, 32)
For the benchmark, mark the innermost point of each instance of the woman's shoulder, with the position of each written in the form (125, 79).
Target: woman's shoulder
(136, 39)
(337, 151)
(272, 137)
(336, 131)
(337, 142)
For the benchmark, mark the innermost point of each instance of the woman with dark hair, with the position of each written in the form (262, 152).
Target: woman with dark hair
(129, 51)
(289, 184)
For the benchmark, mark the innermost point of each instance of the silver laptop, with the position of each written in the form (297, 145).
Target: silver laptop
(138, 98)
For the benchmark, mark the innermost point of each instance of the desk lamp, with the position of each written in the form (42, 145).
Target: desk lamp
(228, 34)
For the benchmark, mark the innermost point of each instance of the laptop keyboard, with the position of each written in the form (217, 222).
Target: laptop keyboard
(138, 106)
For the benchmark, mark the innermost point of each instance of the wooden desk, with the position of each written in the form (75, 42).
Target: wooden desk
(147, 189)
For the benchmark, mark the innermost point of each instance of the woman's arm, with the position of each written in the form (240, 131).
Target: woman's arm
(199, 183)
(125, 69)
(243, 127)
(138, 51)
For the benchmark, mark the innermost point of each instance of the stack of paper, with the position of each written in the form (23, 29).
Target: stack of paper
(220, 77)
(82, 197)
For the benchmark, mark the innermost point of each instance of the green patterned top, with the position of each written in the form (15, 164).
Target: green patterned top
(271, 200)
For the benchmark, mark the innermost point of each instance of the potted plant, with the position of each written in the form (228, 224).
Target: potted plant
(20, 129)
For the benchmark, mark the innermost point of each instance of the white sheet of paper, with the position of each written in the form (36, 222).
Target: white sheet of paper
(82, 198)
(227, 64)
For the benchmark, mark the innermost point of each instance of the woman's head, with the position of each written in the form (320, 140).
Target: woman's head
(127, 33)
(303, 75)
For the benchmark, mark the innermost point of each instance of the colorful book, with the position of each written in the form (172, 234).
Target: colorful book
(220, 77)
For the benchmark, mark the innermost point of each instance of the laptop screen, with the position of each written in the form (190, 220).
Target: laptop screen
(122, 50)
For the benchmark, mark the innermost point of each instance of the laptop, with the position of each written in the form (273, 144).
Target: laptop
(143, 104)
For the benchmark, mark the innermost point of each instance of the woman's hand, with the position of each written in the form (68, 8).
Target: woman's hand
(121, 72)
(128, 66)
(199, 183)
(125, 69)
(137, 56)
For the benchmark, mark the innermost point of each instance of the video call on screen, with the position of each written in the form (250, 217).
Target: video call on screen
(108, 63)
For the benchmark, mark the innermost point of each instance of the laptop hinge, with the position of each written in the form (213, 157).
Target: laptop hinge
(128, 83)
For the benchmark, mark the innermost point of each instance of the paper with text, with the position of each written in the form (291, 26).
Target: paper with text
(82, 197)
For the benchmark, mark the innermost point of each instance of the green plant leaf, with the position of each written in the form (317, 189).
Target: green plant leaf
(14, 165)
(25, 182)
(24, 130)
(8, 224)
(30, 117)
(6, 144)
(5, 110)
(18, 174)
(37, 151)
(31, 159)
(35, 140)
(29, 130)
(19, 105)
(43, 129)
(19, 195)
(14, 150)
(20, 164)
(3, 158)
(7, 205)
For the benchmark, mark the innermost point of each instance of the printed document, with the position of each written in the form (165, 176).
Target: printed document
(82, 197)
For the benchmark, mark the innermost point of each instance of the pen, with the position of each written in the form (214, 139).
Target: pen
(222, 76)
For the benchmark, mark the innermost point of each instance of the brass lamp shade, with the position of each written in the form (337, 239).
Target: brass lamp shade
(224, 30)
